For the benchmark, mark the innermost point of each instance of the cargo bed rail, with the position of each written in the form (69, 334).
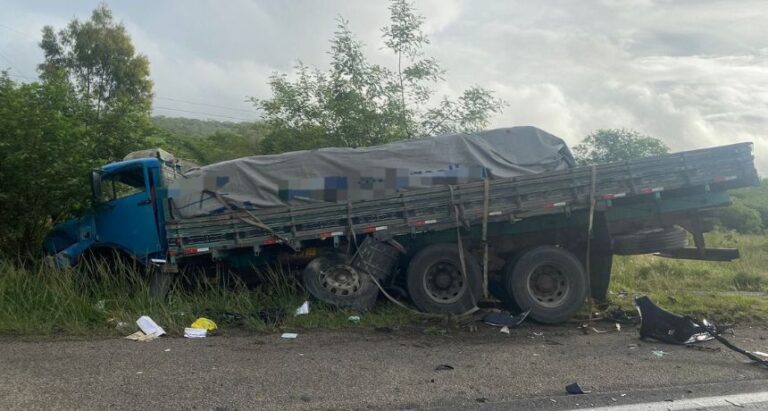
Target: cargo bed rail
(434, 208)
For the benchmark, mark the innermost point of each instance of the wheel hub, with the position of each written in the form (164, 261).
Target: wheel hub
(340, 279)
(548, 285)
(444, 282)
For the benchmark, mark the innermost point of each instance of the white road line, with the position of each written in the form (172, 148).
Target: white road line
(693, 403)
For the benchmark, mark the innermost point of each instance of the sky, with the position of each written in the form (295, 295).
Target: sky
(692, 73)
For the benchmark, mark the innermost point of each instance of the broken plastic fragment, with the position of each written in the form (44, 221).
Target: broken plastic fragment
(659, 353)
(662, 325)
(204, 323)
(504, 318)
(505, 329)
(289, 336)
(575, 389)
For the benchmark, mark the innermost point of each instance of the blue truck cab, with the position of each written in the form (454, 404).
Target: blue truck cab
(126, 216)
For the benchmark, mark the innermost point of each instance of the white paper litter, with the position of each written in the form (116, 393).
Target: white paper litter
(289, 336)
(140, 336)
(505, 329)
(149, 326)
(303, 309)
(195, 332)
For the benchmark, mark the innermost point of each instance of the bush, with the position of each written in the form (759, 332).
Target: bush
(741, 218)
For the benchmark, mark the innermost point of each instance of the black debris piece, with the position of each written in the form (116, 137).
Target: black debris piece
(662, 325)
(575, 389)
(443, 367)
(504, 318)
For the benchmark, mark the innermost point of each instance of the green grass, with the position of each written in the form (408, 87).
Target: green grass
(727, 291)
(44, 301)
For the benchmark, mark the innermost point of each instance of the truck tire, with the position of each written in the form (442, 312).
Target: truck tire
(650, 241)
(436, 284)
(548, 280)
(330, 279)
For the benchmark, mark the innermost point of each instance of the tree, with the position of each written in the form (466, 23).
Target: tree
(355, 103)
(110, 78)
(45, 161)
(608, 145)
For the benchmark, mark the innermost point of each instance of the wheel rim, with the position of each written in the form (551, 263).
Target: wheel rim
(444, 282)
(548, 285)
(340, 279)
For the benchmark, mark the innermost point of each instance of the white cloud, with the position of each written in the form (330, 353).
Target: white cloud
(694, 73)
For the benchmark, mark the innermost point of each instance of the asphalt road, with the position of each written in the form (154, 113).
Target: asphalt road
(366, 369)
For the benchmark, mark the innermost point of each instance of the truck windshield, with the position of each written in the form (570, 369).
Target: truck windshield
(121, 184)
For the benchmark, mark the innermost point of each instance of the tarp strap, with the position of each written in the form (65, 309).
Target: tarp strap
(254, 221)
(484, 239)
(463, 261)
(590, 227)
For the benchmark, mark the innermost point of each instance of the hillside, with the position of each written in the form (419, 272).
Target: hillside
(192, 127)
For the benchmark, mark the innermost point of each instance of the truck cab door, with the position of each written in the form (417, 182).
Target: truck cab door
(124, 210)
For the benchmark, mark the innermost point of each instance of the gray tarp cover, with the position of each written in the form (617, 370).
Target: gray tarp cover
(352, 174)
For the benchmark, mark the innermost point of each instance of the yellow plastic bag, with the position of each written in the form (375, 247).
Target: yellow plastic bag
(204, 323)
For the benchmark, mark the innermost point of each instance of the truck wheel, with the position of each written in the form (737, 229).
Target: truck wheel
(650, 241)
(550, 281)
(331, 280)
(436, 284)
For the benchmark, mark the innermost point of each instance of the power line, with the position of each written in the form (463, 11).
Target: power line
(202, 113)
(25, 77)
(17, 32)
(205, 104)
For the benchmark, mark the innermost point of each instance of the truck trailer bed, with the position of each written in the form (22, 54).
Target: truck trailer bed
(438, 208)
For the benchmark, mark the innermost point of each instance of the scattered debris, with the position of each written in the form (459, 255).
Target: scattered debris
(289, 336)
(192, 332)
(662, 325)
(222, 316)
(505, 319)
(443, 367)
(147, 325)
(760, 353)
(272, 316)
(204, 324)
(481, 400)
(575, 389)
(141, 337)
(598, 331)
(659, 353)
(303, 309)
(538, 334)
(618, 327)
(632, 346)
(704, 348)
(672, 328)
(354, 319)
(505, 330)
(385, 329)
(620, 316)
(167, 350)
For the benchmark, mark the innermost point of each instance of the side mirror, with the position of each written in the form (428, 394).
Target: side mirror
(96, 186)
